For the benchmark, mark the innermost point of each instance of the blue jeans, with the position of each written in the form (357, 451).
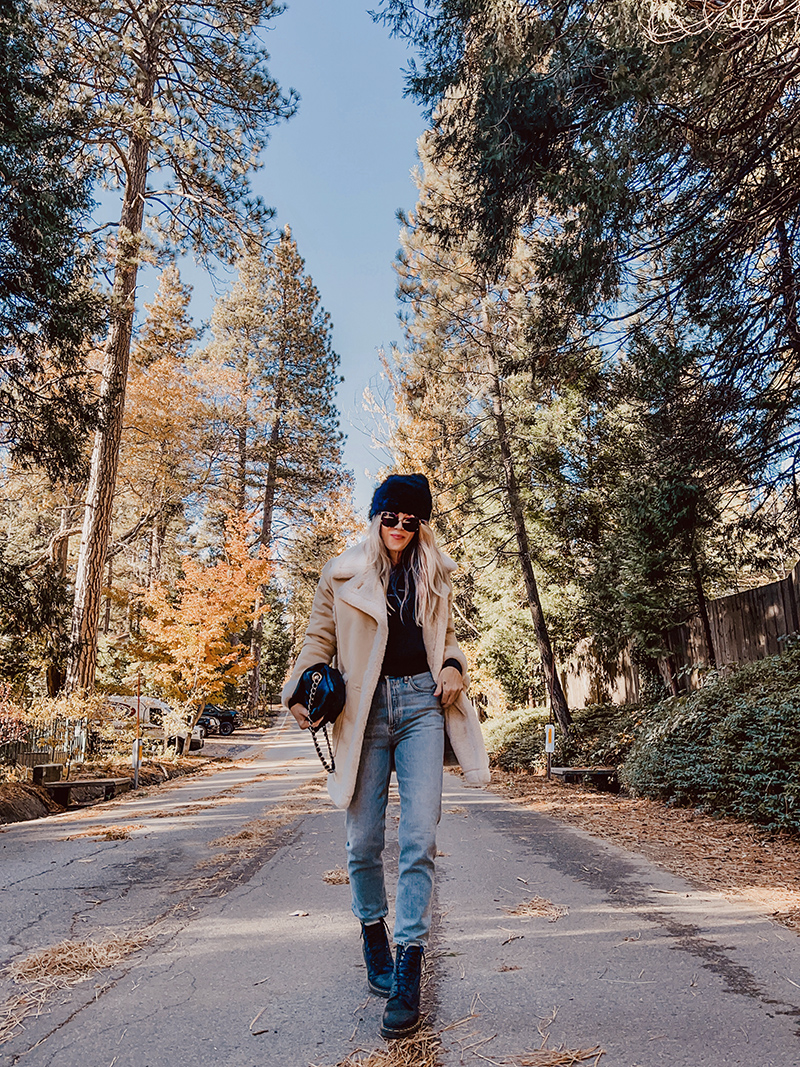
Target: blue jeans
(405, 733)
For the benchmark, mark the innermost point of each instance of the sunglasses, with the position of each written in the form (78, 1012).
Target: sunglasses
(410, 523)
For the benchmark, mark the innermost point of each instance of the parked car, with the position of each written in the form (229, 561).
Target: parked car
(208, 723)
(228, 718)
(152, 712)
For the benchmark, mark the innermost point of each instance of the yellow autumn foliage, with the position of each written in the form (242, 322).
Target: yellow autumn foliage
(192, 641)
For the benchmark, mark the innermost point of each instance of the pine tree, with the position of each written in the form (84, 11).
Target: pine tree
(271, 370)
(335, 526)
(468, 336)
(228, 371)
(181, 104)
(48, 311)
(300, 462)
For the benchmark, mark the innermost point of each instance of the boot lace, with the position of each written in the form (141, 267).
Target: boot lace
(407, 972)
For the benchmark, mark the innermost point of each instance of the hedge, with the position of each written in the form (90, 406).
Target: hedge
(732, 748)
(515, 740)
(600, 734)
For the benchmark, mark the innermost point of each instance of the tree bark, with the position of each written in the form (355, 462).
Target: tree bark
(158, 536)
(241, 468)
(703, 608)
(558, 701)
(105, 454)
(268, 509)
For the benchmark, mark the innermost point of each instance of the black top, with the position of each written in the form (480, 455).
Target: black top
(405, 649)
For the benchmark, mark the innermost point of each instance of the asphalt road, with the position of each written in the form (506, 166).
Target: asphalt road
(252, 957)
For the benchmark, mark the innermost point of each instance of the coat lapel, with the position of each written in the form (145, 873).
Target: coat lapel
(359, 587)
(363, 591)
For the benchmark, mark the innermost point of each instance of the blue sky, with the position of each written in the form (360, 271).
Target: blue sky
(337, 173)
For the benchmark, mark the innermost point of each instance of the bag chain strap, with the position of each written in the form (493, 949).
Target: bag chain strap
(316, 678)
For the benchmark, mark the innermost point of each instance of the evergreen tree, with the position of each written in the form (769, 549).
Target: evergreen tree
(47, 308)
(34, 611)
(273, 368)
(655, 148)
(181, 104)
(468, 342)
(641, 137)
(335, 526)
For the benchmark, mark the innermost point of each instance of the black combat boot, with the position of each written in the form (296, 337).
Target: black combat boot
(401, 1016)
(378, 958)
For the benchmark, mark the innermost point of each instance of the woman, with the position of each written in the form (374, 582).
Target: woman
(383, 610)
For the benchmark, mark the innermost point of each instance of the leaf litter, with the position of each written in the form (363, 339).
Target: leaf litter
(48, 970)
(422, 1050)
(742, 861)
(538, 906)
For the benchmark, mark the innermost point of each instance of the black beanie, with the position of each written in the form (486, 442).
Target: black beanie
(409, 493)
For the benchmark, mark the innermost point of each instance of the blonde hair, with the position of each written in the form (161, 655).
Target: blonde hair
(424, 559)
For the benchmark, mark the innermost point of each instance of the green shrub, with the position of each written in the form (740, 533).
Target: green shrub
(731, 748)
(600, 735)
(515, 740)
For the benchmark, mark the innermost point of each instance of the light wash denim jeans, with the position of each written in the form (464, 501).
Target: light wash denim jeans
(405, 733)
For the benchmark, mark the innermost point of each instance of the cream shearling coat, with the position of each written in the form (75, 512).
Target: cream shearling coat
(349, 623)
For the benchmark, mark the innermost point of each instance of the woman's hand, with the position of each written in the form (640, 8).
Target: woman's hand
(450, 685)
(301, 714)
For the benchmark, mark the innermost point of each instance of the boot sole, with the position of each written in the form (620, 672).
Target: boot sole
(407, 1031)
(379, 991)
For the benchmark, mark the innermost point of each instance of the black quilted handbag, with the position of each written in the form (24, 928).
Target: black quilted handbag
(321, 692)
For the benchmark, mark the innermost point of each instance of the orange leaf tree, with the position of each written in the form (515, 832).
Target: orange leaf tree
(194, 635)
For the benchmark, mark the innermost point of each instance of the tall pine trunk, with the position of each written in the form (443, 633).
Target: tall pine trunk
(558, 701)
(268, 509)
(105, 454)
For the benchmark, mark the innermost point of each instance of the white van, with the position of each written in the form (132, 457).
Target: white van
(151, 718)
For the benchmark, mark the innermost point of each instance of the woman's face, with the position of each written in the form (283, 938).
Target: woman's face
(396, 538)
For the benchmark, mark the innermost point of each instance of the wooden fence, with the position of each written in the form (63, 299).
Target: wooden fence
(58, 741)
(744, 627)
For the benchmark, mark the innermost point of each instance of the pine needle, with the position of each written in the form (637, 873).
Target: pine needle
(58, 967)
(563, 1057)
(109, 833)
(538, 906)
(71, 962)
(338, 876)
(419, 1050)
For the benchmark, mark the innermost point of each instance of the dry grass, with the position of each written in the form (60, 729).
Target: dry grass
(16, 1010)
(62, 965)
(556, 1057)
(71, 962)
(338, 876)
(249, 834)
(422, 1050)
(737, 859)
(109, 833)
(419, 1050)
(472, 1040)
(538, 906)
